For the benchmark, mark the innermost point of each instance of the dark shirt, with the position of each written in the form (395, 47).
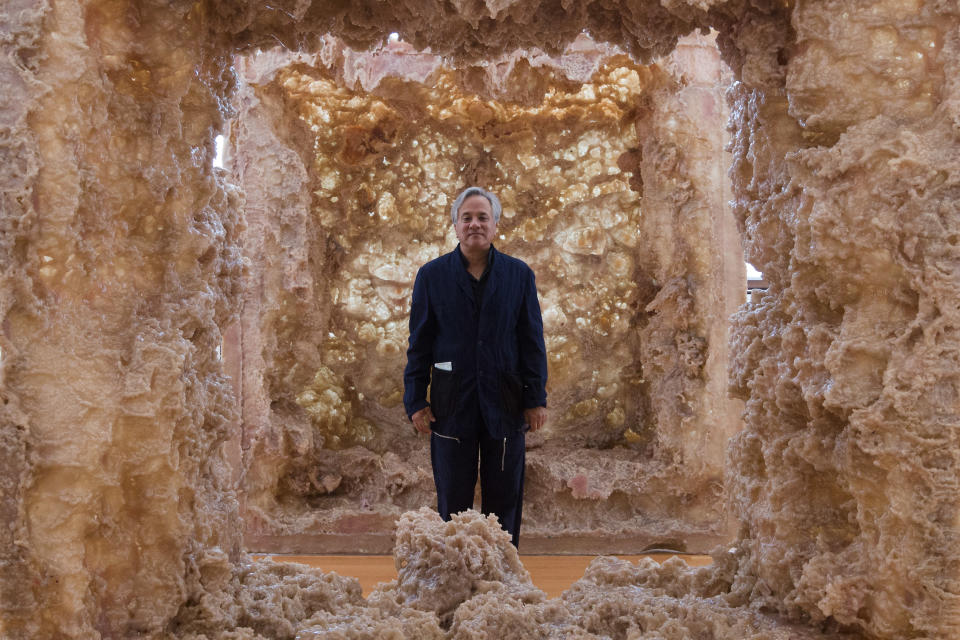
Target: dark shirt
(479, 284)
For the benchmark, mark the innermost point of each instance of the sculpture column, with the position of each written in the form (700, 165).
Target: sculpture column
(120, 264)
(846, 181)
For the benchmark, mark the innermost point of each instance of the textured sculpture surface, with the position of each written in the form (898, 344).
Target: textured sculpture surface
(120, 257)
(634, 306)
(846, 188)
(120, 260)
(464, 580)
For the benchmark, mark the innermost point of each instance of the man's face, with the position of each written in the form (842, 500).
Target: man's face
(475, 226)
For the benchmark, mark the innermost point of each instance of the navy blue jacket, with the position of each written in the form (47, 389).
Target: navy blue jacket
(497, 357)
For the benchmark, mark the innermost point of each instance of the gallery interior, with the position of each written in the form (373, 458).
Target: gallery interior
(212, 215)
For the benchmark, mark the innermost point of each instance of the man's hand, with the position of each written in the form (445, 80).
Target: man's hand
(422, 419)
(536, 417)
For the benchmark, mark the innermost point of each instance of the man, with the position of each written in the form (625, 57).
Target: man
(476, 337)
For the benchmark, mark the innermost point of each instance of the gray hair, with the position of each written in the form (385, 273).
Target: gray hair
(476, 191)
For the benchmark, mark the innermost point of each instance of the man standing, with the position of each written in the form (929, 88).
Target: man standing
(476, 337)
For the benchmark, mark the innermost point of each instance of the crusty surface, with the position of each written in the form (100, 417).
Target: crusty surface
(120, 266)
(611, 177)
(846, 186)
(464, 580)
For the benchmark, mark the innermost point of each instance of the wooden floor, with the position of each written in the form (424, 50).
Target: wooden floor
(552, 574)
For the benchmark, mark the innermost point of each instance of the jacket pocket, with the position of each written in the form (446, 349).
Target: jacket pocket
(444, 389)
(511, 393)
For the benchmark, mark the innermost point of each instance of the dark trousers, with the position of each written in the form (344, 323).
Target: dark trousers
(501, 465)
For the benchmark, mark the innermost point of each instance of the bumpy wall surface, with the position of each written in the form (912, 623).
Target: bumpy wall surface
(846, 180)
(120, 260)
(120, 263)
(612, 180)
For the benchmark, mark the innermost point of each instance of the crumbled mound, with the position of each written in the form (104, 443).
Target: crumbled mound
(463, 580)
(624, 601)
(283, 601)
(259, 599)
(441, 565)
(464, 572)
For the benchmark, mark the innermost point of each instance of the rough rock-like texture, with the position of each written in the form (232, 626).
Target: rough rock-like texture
(612, 179)
(120, 260)
(283, 601)
(118, 251)
(468, 573)
(441, 565)
(463, 580)
(618, 600)
(268, 599)
(469, 30)
(847, 182)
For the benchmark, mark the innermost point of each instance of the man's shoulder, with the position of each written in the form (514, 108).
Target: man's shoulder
(513, 263)
(437, 266)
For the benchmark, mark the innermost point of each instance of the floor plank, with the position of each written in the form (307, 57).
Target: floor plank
(553, 574)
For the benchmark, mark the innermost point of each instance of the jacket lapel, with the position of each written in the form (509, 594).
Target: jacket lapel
(494, 278)
(461, 276)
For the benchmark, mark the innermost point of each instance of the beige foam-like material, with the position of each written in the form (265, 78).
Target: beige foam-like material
(120, 264)
(671, 601)
(471, 30)
(441, 565)
(464, 580)
(845, 478)
(265, 599)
